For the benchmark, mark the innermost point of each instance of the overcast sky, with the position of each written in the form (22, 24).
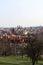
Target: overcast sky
(21, 12)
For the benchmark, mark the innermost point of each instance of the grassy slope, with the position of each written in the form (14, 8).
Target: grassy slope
(12, 60)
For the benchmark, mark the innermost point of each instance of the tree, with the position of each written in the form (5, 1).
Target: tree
(33, 48)
(22, 46)
(12, 30)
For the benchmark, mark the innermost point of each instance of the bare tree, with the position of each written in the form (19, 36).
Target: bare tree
(33, 48)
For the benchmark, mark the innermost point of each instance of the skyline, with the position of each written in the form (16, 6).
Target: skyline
(21, 12)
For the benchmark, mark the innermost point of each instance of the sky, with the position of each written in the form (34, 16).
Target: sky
(21, 12)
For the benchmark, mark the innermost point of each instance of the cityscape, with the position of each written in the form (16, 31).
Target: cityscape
(21, 32)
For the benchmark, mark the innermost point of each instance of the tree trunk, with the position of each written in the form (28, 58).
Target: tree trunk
(22, 55)
(33, 62)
